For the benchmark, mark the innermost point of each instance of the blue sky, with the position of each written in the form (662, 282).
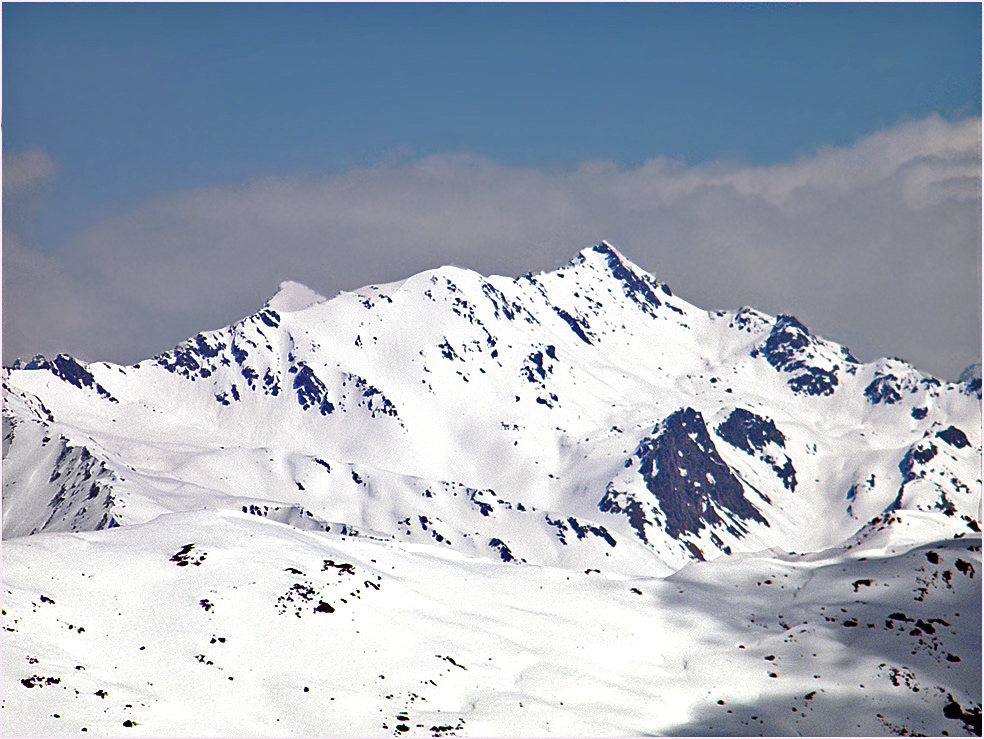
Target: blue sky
(126, 103)
(131, 99)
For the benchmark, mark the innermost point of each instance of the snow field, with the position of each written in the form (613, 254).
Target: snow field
(482, 648)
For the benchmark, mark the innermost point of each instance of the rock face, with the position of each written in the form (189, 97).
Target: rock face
(760, 438)
(542, 419)
(692, 486)
(812, 366)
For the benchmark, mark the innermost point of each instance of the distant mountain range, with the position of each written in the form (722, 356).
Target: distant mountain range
(585, 420)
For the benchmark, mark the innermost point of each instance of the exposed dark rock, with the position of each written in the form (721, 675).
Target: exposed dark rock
(787, 348)
(919, 454)
(582, 530)
(814, 381)
(71, 371)
(641, 289)
(270, 317)
(617, 502)
(971, 718)
(184, 556)
(504, 553)
(343, 568)
(748, 319)
(560, 526)
(484, 508)
(683, 470)
(752, 433)
(965, 567)
(376, 402)
(954, 437)
(749, 432)
(39, 681)
(883, 389)
(311, 391)
(578, 325)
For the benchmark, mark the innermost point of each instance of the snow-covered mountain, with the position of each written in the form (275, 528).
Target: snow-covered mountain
(584, 426)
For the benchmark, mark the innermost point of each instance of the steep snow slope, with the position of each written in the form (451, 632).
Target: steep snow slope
(591, 393)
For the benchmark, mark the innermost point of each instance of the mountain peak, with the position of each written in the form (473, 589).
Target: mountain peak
(639, 286)
(292, 297)
(605, 251)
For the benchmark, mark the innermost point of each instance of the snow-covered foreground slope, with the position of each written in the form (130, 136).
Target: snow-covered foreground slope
(574, 486)
(208, 623)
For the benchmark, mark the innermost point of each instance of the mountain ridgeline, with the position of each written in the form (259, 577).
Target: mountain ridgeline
(581, 418)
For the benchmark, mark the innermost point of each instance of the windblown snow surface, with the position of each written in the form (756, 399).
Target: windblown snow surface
(566, 504)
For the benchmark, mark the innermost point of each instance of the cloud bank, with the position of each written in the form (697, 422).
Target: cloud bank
(876, 245)
(27, 169)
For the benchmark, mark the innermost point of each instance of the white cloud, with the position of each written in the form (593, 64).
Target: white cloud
(875, 245)
(27, 169)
